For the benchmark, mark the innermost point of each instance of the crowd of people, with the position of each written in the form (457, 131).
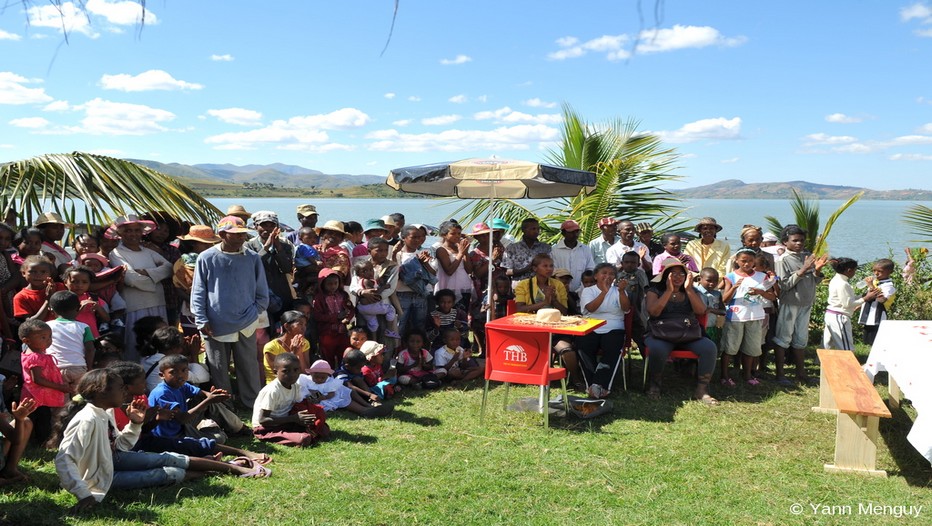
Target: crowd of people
(130, 350)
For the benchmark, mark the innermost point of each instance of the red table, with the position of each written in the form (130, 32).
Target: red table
(523, 349)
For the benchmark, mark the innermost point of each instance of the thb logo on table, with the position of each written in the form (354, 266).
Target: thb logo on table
(515, 354)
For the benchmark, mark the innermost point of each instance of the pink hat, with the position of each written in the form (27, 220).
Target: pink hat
(569, 226)
(133, 219)
(232, 225)
(478, 229)
(605, 221)
(320, 366)
(96, 257)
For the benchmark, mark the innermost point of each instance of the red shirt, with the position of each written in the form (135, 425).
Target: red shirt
(27, 302)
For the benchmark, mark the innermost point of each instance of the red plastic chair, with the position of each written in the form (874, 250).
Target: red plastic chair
(676, 353)
(521, 356)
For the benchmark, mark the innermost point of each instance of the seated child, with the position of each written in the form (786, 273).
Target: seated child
(281, 414)
(165, 341)
(94, 311)
(707, 287)
(841, 305)
(42, 380)
(72, 342)
(381, 380)
(95, 456)
(453, 362)
(134, 379)
(333, 310)
(33, 300)
(15, 436)
(447, 316)
(369, 308)
(415, 367)
(332, 393)
(350, 373)
(177, 395)
(875, 310)
(292, 340)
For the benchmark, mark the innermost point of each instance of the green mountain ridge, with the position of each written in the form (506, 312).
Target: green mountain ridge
(737, 189)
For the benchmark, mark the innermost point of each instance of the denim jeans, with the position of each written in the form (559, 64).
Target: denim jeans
(136, 469)
(415, 311)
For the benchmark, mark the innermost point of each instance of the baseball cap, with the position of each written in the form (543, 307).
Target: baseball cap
(569, 225)
(232, 225)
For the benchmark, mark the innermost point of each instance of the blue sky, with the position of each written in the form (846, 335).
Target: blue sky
(830, 92)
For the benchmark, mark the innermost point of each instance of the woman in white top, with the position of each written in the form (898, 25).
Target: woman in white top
(455, 267)
(606, 300)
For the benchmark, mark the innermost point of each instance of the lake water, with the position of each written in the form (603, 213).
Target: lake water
(867, 230)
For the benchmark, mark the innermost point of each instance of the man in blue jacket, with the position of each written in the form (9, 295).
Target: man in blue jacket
(228, 295)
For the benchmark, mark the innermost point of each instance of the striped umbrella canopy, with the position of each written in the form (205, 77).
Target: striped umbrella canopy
(491, 179)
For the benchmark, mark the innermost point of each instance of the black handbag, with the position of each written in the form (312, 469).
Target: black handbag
(676, 329)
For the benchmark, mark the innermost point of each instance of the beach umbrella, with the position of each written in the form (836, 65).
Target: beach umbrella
(491, 179)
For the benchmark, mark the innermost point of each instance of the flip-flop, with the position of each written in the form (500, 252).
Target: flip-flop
(707, 400)
(753, 381)
(258, 472)
(243, 462)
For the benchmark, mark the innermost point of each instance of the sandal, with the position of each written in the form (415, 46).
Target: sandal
(707, 400)
(753, 381)
(243, 462)
(258, 472)
(263, 459)
(728, 382)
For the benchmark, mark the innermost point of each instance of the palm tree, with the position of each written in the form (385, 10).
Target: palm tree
(630, 167)
(919, 217)
(105, 187)
(806, 214)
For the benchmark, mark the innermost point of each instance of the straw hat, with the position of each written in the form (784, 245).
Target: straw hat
(333, 226)
(320, 366)
(49, 218)
(644, 227)
(232, 225)
(202, 234)
(389, 221)
(667, 265)
(238, 211)
(478, 229)
(133, 219)
(708, 221)
(371, 348)
(561, 272)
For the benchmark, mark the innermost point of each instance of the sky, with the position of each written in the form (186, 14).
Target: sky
(832, 92)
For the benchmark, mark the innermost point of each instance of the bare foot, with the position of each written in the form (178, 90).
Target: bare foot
(14, 479)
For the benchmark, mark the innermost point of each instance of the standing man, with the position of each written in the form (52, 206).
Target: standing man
(600, 245)
(708, 251)
(307, 216)
(228, 294)
(626, 243)
(570, 254)
(277, 256)
(518, 255)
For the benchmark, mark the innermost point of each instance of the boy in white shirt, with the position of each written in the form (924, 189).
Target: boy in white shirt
(72, 341)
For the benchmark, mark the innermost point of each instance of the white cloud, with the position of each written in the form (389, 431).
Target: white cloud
(58, 105)
(68, 18)
(925, 128)
(521, 137)
(459, 59)
(239, 116)
(30, 122)
(853, 148)
(507, 115)
(841, 118)
(458, 99)
(917, 10)
(124, 13)
(222, 58)
(414, 98)
(402, 122)
(7, 146)
(615, 47)
(154, 79)
(103, 117)
(482, 98)
(910, 157)
(913, 139)
(718, 128)
(537, 103)
(730, 161)
(4, 35)
(14, 91)
(389, 95)
(440, 120)
(817, 139)
(927, 33)
(304, 133)
(109, 152)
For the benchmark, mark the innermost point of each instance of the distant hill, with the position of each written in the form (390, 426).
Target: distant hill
(736, 189)
(278, 175)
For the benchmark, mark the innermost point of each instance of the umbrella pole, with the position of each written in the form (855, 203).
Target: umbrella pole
(490, 286)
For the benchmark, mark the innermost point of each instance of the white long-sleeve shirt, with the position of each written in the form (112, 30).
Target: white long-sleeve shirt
(85, 461)
(140, 291)
(841, 297)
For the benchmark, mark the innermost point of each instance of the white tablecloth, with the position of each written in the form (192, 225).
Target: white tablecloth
(903, 348)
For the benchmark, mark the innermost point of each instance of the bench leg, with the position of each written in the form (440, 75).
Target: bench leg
(826, 399)
(856, 445)
(895, 394)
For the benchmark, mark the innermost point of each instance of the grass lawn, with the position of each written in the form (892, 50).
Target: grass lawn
(748, 461)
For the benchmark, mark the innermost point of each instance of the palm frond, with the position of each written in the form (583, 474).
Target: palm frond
(919, 218)
(774, 225)
(104, 186)
(821, 245)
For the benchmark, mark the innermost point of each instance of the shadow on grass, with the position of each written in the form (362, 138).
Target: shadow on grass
(345, 436)
(26, 511)
(911, 465)
(411, 418)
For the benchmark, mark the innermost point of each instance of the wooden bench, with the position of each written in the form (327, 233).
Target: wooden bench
(845, 391)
